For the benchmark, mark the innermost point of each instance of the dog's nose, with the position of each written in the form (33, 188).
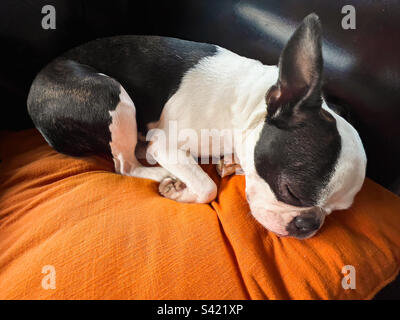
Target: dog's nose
(305, 224)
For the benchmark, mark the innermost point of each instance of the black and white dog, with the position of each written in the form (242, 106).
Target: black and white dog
(301, 160)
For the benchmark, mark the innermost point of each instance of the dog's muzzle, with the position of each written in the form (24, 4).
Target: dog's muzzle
(306, 224)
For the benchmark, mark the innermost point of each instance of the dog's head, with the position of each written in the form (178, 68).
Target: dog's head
(307, 161)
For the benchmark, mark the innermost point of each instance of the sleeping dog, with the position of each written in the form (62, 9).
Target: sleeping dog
(300, 159)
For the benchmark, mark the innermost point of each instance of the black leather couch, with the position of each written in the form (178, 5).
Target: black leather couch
(362, 66)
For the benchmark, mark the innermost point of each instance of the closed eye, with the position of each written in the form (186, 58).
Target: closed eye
(292, 195)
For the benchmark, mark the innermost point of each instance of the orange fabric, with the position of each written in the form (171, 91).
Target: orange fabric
(113, 237)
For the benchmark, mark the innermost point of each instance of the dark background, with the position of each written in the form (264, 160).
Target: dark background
(362, 66)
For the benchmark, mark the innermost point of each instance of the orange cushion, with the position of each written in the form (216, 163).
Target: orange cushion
(109, 237)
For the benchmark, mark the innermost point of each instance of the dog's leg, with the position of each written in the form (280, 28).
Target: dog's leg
(153, 173)
(226, 166)
(124, 138)
(181, 180)
(187, 181)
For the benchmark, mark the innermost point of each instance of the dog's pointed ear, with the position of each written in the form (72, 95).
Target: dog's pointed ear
(300, 72)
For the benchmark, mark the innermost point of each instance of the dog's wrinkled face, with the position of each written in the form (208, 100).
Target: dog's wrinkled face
(307, 161)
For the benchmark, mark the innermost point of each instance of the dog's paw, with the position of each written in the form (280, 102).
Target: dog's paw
(175, 189)
(171, 187)
(225, 168)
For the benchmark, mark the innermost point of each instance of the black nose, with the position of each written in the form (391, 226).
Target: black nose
(305, 224)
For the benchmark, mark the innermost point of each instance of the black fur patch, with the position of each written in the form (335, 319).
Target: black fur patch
(299, 144)
(150, 68)
(70, 103)
(298, 162)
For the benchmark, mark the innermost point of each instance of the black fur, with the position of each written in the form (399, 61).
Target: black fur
(69, 102)
(300, 76)
(150, 68)
(298, 162)
(299, 144)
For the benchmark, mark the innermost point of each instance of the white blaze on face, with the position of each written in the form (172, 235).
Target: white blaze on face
(265, 208)
(350, 168)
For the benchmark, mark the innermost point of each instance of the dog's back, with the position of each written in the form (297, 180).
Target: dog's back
(71, 98)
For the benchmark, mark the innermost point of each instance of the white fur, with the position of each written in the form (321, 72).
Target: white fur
(349, 173)
(123, 134)
(223, 92)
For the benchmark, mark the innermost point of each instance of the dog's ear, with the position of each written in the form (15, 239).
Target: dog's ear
(300, 73)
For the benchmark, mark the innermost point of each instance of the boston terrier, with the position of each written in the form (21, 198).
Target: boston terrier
(300, 159)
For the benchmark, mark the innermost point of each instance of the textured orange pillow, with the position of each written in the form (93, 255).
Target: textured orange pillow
(113, 237)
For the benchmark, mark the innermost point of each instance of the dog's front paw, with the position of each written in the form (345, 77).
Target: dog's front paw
(171, 187)
(175, 189)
